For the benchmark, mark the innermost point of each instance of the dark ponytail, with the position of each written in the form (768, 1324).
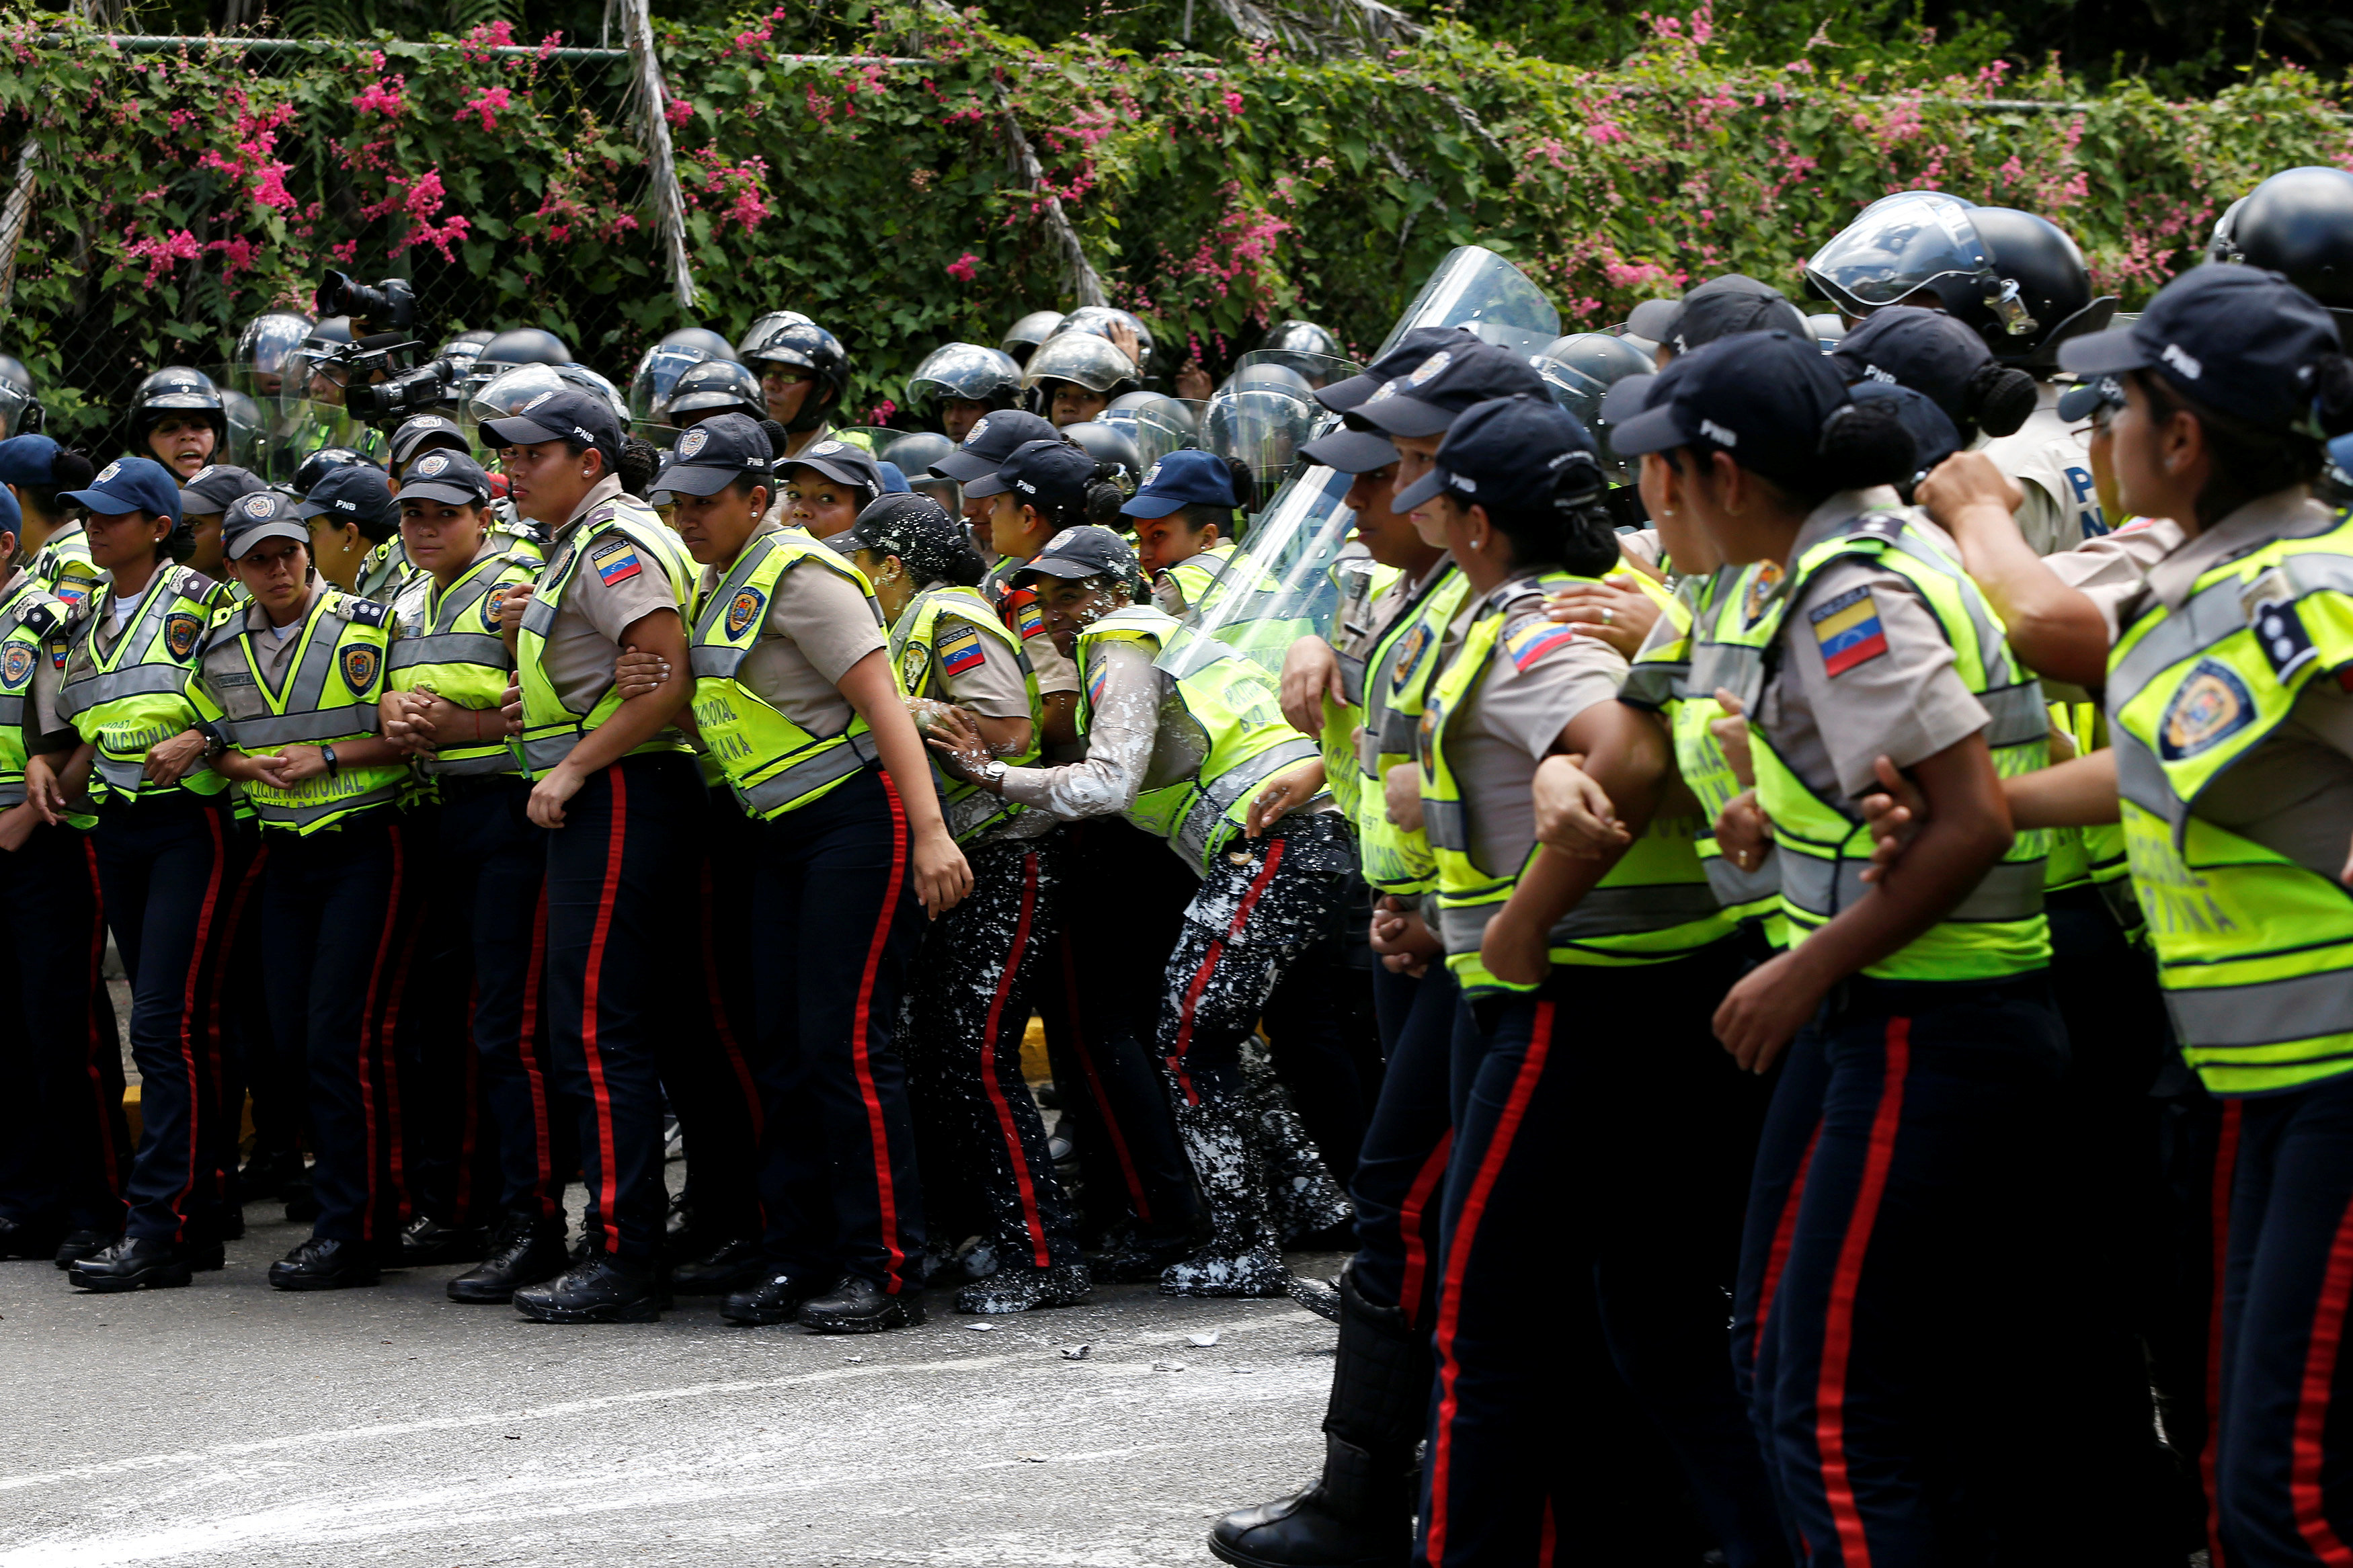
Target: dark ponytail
(778, 437)
(68, 470)
(1863, 443)
(639, 460)
(1998, 398)
(1575, 531)
(1098, 502)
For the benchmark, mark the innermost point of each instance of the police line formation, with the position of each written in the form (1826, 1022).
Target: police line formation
(1834, 824)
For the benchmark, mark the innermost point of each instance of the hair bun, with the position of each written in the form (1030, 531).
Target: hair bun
(638, 462)
(1865, 443)
(2332, 393)
(71, 470)
(777, 438)
(2001, 398)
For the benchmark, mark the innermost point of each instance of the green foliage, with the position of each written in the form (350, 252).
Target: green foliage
(181, 195)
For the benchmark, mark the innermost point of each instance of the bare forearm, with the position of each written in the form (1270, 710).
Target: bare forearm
(2056, 629)
(868, 687)
(2080, 793)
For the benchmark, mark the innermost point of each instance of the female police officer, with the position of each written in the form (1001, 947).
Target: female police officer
(796, 698)
(1203, 760)
(1890, 1320)
(449, 667)
(287, 693)
(167, 861)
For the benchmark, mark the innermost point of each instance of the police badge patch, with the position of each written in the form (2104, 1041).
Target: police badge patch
(432, 463)
(182, 632)
(744, 609)
(1759, 593)
(16, 664)
(2211, 706)
(693, 441)
(913, 665)
(493, 602)
(1408, 657)
(358, 665)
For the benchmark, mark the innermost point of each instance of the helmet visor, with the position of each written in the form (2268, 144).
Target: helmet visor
(1081, 357)
(962, 370)
(658, 372)
(1899, 246)
(1318, 369)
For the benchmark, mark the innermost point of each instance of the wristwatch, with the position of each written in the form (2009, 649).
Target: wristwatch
(990, 773)
(327, 755)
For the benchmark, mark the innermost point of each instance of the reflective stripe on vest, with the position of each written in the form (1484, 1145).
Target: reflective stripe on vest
(1653, 906)
(773, 763)
(551, 729)
(914, 655)
(1398, 670)
(28, 616)
(469, 667)
(1998, 928)
(2254, 950)
(334, 645)
(134, 697)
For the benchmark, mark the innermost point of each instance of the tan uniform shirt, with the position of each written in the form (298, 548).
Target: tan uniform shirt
(2112, 569)
(1541, 676)
(2051, 461)
(1898, 695)
(2293, 794)
(818, 625)
(987, 678)
(586, 637)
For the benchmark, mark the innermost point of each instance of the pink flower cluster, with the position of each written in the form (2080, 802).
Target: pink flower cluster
(490, 102)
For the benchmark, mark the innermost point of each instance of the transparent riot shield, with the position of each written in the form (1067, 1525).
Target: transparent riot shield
(1477, 289)
(303, 426)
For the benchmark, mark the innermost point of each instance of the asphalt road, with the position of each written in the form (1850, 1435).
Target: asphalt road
(231, 1423)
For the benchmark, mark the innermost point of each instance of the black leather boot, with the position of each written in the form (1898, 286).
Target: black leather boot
(80, 1244)
(323, 1263)
(1244, 1255)
(774, 1299)
(425, 1241)
(526, 1251)
(604, 1290)
(859, 1306)
(132, 1263)
(1360, 1515)
(734, 1266)
(1018, 1287)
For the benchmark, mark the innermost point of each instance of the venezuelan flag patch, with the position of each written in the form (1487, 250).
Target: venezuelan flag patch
(1536, 640)
(1096, 682)
(1847, 631)
(616, 561)
(1028, 620)
(960, 651)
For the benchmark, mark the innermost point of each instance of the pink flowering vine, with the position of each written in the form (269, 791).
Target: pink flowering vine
(490, 102)
(964, 268)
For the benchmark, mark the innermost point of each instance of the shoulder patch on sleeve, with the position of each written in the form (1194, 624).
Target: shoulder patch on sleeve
(960, 649)
(615, 560)
(1028, 620)
(1848, 630)
(367, 612)
(1533, 637)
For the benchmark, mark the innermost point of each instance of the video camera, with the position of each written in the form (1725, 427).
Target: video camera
(380, 385)
(391, 303)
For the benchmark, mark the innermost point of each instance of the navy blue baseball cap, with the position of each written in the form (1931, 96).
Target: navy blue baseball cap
(446, 476)
(421, 433)
(27, 459)
(1086, 551)
(712, 454)
(1935, 436)
(839, 461)
(1762, 397)
(357, 494)
(990, 441)
(1424, 400)
(1928, 350)
(1412, 350)
(1718, 308)
(566, 415)
(264, 514)
(216, 486)
(1186, 478)
(1041, 473)
(132, 484)
(1511, 452)
(2238, 340)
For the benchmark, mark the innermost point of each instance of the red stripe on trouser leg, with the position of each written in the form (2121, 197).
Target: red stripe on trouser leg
(373, 1026)
(1200, 982)
(861, 1039)
(1785, 1231)
(714, 998)
(998, 1102)
(527, 1048)
(1838, 1328)
(2321, 1347)
(191, 1008)
(1127, 1172)
(93, 1062)
(1426, 1183)
(1547, 1538)
(1457, 1257)
(2226, 1165)
(607, 1187)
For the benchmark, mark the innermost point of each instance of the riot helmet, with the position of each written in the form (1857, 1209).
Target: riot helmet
(1309, 349)
(914, 454)
(963, 372)
(263, 350)
(20, 409)
(2013, 279)
(1157, 423)
(1099, 320)
(2299, 223)
(802, 345)
(660, 368)
(1580, 369)
(321, 463)
(714, 387)
(1261, 419)
(764, 323)
(1109, 444)
(1023, 338)
(1082, 359)
(176, 390)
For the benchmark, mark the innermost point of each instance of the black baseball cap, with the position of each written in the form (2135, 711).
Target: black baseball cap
(1044, 473)
(446, 476)
(132, 484)
(1718, 308)
(214, 487)
(1086, 551)
(420, 432)
(989, 442)
(839, 461)
(1935, 436)
(1928, 350)
(1425, 399)
(1188, 476)
(1762, 397)
(2238, 340)
(264, 514)
(1412, 350)
(1508, 453)
(711, 456)
(355, 493)
(561, 415)
(916, 529)
(28, 460)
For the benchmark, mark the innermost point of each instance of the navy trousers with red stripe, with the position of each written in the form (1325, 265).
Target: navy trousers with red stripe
(2284, 1481)
(709, 1069)
(1602, 1142)
(64, 1144)
(1400, 1171)
(339, 939)
(834, 918)
(1099, 999)
(494, 1139)
(168, 866)
(969, 1007)
(618, 875)
(1902, 1173)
